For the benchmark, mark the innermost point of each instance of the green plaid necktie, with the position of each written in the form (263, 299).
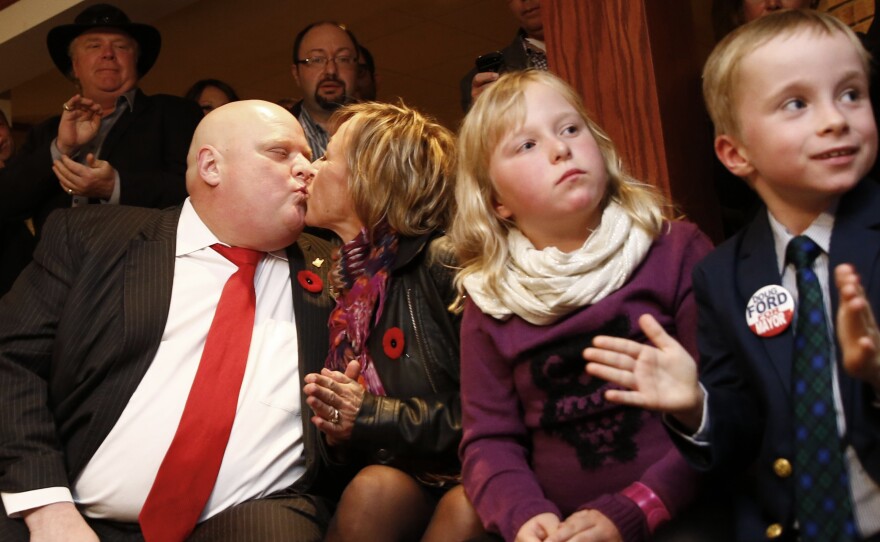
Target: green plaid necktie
(824, 511)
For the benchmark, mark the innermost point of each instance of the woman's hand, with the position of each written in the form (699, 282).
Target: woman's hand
(336, 399)
(586, 526)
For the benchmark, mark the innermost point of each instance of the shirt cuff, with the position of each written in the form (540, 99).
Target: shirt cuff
(16, 503)
(114, 197)
(53, 150)
(701, 436)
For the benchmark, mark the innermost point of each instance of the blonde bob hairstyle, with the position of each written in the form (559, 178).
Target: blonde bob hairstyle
(721, 74)
(401, 165)
(478, 233)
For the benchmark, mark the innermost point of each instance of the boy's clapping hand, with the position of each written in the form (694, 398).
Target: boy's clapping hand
(857, 330)
(662, 377)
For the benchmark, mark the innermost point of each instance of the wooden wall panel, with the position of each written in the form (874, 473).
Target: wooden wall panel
(857, 13)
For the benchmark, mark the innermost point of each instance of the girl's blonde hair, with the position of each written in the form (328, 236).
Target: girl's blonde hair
(478, 233)
(401, 166)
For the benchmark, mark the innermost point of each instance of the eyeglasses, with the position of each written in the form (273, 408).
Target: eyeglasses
(342, 62)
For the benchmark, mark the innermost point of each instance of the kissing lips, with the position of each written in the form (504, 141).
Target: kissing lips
(302, 192)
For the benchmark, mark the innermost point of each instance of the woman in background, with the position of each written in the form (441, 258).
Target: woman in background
(729, 14)
(211, 94)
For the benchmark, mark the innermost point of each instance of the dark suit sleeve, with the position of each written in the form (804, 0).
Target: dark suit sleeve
(28, 181)
(150, 155)
(735, 417)
(30, 452)
(312, 310)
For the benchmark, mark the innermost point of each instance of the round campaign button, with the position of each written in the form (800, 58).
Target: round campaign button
(770, 311)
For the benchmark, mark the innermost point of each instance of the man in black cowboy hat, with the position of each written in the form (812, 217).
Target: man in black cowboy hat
(112, 143)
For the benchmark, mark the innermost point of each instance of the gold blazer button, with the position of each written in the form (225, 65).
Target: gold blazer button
(782, 468)
(774, 531)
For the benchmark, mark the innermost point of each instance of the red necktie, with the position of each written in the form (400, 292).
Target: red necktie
(189, 470)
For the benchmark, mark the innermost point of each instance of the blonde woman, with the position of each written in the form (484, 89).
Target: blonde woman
(558, 244)
(388, 400)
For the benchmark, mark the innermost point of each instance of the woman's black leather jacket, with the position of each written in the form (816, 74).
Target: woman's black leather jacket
(417, 426)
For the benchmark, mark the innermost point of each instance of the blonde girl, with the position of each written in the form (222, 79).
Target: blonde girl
(556, 245)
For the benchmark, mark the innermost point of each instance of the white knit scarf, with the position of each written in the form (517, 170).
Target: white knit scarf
(541, 286)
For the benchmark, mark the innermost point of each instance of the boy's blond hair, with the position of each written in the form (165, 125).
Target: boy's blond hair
(721, 72)
(478, 233)
(401, 165)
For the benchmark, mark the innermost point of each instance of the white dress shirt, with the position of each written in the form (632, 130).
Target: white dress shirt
(265, 449)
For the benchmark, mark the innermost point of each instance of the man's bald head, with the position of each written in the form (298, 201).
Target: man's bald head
(223, 126)
(247, 174)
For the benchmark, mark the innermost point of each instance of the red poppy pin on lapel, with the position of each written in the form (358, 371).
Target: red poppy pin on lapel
(310, 281)
(392, 343)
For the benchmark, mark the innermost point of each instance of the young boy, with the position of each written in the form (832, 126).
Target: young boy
(777, 395)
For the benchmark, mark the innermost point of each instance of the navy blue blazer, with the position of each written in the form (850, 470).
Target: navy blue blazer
(81, 326)
(748, 378)
(147, 146)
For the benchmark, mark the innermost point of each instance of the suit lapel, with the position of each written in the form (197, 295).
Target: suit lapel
(757, 268)
(311, 311)
(147, 275)
(311, 308)
(122, 124)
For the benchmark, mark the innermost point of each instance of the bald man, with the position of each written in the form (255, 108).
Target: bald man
(101, 338)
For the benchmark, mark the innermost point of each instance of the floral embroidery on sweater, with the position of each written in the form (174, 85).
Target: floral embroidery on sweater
(576, 410)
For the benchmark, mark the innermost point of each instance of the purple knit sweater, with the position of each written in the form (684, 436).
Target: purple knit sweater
(538, 433)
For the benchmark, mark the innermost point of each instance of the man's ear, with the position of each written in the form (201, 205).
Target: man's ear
(733, 155)
(294, 71)
(209, 167)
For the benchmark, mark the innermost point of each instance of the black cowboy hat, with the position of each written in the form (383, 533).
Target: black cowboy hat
(104, 16)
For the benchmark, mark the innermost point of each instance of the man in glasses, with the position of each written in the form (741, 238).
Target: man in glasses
(325, 62)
